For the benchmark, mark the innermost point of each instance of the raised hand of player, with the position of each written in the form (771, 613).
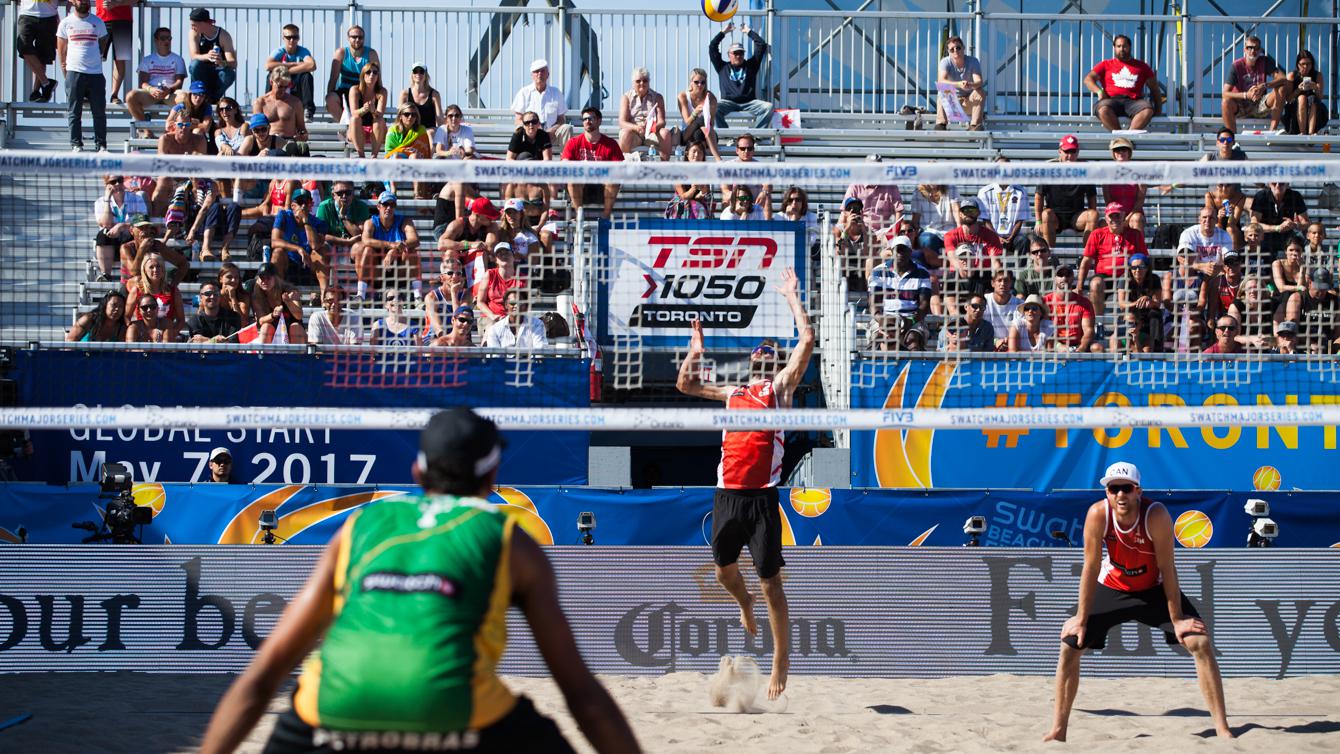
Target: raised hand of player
(696, 338)
(790, 283)
(1188, 627)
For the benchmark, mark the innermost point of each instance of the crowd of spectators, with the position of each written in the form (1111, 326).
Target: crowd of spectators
(954, 267)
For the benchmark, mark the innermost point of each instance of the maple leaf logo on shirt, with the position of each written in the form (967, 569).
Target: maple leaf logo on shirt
(1125, 78)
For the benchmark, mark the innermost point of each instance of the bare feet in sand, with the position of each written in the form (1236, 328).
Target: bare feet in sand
(1056, 734)
(747, 616)
(777, 683)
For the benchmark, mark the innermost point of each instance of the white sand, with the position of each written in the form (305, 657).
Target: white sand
(133, 712)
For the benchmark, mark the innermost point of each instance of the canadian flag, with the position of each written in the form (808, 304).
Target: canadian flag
(249, 333)
(787, 119)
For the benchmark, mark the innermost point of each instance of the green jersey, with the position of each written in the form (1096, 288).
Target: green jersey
(422, 589)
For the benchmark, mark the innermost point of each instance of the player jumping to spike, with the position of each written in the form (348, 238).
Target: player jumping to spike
(745, 506)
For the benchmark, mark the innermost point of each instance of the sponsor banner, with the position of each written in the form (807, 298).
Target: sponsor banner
(1282, 456)
(854, 612)
(265, 451)
(666, 274)
(670, 173)
(311, 514)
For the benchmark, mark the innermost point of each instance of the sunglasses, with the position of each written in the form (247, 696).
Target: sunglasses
(1119, 488)
(589, 119)
(746, 148)
(1035, 309)
(168, 38)
(531, 122)
(355, 36)
(1070, 151)
(697, 82)
(1225, 139)
(465, 320)
(292, 37)
(457, 115)
(344, 192)
(452, 273)
(1037, 251)
(763, 351)
(1230, 328)
(737, 52)
(955, 48)
(976, 306)
(226, 108)
(149, 308)
(1251, 47)
(418, 71)
(260, 129)
(209, 294)
(114, 182)
(221, 461)
(373, 73)
(1137, 267)
(387, 204)
(409, 115)
(641, 81)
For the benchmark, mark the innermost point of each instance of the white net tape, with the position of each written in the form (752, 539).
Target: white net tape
(677, 419)
(668, 173)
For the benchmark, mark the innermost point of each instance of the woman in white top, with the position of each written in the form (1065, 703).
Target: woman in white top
(698, 106)
(742, 207)
(453, 139)
(936, 211)
(113, 212)
(1031, 329)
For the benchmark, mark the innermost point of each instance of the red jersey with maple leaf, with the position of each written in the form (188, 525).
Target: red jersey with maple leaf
(750, 460)
(1129, 562)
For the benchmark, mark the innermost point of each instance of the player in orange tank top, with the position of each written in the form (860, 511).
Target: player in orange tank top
(745, 508)
(1129, 575)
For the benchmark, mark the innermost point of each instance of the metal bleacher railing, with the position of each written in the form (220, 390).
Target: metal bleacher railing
(833, 65)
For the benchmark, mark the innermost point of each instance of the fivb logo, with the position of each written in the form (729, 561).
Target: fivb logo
(730, 257)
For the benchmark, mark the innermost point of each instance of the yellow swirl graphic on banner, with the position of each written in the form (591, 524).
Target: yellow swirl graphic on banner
(519, 505)
(246, 523)
(922, 538)
(295, 523)
(788, 536)
(903, 458)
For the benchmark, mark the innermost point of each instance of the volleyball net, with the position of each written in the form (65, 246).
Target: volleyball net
(418, 283)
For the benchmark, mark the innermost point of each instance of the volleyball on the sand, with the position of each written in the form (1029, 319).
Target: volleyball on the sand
(720, 10)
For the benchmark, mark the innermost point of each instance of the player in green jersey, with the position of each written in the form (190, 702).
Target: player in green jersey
(409, 602)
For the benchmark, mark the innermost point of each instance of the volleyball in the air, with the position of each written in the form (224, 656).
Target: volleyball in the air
(720, 10)
(810, 503)
(1266, 478)
(1193, 529)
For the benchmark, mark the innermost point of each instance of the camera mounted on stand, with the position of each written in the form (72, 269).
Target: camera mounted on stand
(122, 519)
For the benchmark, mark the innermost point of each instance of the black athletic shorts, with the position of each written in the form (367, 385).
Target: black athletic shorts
(522, 729)
(1113, 607)
(748, 517)
(37, 36)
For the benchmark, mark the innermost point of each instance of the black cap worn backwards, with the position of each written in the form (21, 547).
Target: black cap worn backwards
(460, 439)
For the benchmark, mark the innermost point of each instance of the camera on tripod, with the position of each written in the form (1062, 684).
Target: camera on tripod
(121, 516)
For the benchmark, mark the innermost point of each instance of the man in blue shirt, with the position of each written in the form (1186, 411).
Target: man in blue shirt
(300, 64)
(739, 78)
(298, 242)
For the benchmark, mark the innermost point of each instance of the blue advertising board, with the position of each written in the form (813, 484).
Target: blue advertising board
(1225, 458)
(310, 514)
(264, 455)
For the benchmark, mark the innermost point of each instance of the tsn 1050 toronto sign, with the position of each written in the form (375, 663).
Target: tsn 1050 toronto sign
(666, 275)
(855, 611)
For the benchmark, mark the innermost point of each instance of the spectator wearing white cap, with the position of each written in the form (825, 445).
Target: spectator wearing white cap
(221, 466)
(898, 286)
(1031, 329)
(546, 101)
(1130, 575)
(421, 94)
(515, 229)
(493, 288)
(738, 77)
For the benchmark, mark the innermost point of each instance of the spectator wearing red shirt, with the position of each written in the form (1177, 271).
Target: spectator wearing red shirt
(1256, 87)
(1071, 313)
(593, 146)
(972, 245)
(119, 18)
(1106, 252)
(1225, 337)
(1118, 82)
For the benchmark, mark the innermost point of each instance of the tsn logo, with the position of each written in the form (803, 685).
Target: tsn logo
(712, 252)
